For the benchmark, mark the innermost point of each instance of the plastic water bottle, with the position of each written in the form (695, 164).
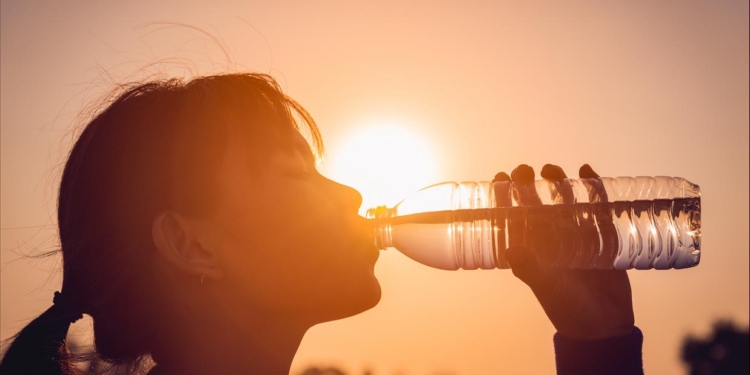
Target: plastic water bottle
(604, 223)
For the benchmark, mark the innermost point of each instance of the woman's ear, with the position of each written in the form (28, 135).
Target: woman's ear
(187, 243)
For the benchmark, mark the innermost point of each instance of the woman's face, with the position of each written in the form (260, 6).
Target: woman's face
(292, 241)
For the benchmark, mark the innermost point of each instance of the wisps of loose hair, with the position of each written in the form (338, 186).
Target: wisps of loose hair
(119, 174)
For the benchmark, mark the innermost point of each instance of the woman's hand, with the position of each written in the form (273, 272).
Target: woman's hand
(582, 304)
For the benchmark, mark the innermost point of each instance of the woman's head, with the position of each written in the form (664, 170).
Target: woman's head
(201, 199)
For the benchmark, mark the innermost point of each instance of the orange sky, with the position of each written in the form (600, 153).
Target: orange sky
(634, 88)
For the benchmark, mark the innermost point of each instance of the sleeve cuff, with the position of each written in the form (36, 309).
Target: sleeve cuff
(616, 356)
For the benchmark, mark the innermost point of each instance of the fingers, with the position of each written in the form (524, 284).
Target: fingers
(502, 191)
(524, 189)
(523, 174)
(553, 172)
(525, 266)
(587, 172)
(502, 176)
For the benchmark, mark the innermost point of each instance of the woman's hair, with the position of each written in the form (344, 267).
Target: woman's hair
(119, 176)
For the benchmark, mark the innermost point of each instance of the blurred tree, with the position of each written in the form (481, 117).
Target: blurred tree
(723, 352)
(322, 371)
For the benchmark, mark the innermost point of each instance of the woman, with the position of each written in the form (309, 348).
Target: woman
(195, 229)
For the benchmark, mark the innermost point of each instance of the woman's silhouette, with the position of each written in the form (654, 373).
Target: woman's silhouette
(196, 230)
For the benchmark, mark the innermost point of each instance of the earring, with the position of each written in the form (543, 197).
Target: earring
(202, 277)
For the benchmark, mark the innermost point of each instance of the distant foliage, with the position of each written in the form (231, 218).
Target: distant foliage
(322, 371)
(723, 352)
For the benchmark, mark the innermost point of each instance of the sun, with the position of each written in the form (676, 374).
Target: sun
(384, 161)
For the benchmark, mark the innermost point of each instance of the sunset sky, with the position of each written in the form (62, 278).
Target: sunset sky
(459, 91)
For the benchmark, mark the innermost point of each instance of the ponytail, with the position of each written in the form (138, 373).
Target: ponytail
(39, 348)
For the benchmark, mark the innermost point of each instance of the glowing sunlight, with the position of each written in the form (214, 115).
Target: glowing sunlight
(384, 161)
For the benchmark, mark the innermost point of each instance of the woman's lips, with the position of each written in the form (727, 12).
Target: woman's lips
(370, 249)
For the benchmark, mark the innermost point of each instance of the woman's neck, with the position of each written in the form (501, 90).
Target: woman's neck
(255, 345)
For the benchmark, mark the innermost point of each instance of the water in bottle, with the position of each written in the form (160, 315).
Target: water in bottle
(604, 223)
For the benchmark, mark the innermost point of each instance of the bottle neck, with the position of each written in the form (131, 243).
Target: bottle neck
(381, 226)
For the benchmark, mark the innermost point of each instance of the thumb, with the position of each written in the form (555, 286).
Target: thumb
(526, 267)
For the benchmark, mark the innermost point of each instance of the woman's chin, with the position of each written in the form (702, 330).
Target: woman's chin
(375, 294)
(360, 300)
